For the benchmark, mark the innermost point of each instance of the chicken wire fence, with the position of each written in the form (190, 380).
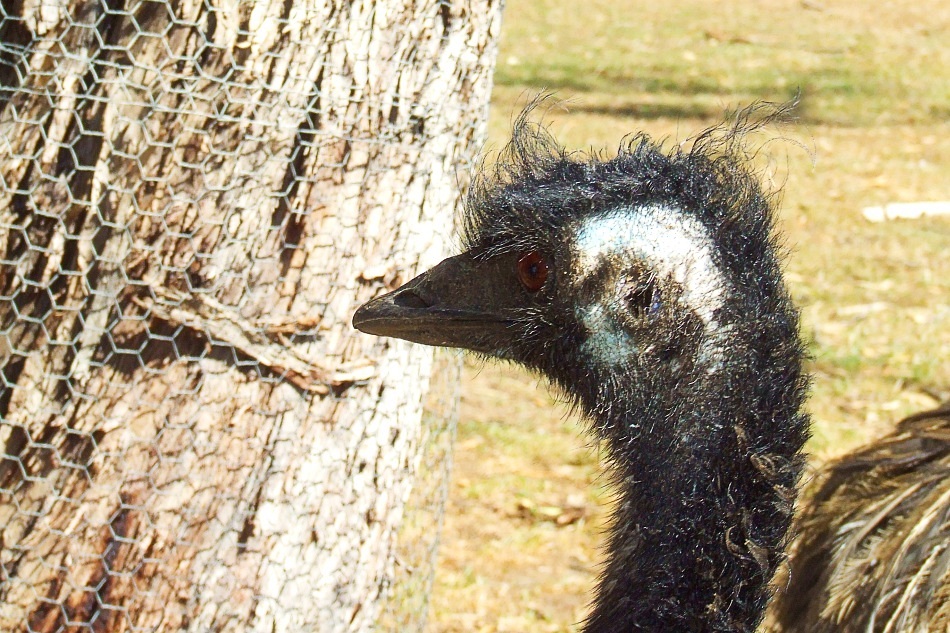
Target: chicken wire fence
(193, 198)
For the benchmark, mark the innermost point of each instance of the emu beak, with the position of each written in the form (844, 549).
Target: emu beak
(458, 303)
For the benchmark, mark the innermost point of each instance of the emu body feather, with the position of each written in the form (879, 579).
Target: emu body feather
(873, 546)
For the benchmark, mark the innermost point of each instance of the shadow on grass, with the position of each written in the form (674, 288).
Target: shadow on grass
(839, 97)
(584, 80)
(642, 97)
(683, 110)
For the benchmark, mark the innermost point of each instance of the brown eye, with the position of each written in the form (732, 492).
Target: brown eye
(532, 271)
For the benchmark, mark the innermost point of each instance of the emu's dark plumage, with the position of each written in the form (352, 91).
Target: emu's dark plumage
(687, 362)
(698, 407)
(725, 445)
(873, 545)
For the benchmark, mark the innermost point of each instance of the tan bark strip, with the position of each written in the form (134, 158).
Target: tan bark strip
(202, 313)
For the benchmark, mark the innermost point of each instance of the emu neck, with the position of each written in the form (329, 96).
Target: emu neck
(706, 474)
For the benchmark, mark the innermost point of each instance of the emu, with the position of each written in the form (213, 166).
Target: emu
(648, 287)
(872, 547)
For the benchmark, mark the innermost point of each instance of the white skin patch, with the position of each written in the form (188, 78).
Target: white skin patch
(672, 244)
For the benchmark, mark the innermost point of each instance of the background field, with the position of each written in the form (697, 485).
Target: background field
(527, 507)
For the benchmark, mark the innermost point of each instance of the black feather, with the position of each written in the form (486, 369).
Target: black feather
(697, 552)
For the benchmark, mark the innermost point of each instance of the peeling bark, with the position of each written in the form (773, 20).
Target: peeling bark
(194, 196)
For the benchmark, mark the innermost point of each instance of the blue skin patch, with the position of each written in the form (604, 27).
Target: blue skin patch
(669, 242)
(608, 341)
(656, 304)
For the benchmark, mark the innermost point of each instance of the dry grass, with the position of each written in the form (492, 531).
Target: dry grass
(526, 507)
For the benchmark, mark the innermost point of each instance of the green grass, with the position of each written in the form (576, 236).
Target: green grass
(854, 64)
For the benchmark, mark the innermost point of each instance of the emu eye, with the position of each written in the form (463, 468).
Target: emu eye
(532, 271)
(643, 298)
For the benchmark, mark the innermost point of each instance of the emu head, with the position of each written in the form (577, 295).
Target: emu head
(586, 269)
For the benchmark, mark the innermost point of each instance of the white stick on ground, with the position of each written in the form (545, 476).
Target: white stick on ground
(905, 210)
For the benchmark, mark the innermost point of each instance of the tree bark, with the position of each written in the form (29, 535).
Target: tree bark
(194, 196)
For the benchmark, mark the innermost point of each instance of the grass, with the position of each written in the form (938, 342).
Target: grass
(855, 66)
(526, 505)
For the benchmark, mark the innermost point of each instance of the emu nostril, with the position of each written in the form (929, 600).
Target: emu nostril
(409, 299)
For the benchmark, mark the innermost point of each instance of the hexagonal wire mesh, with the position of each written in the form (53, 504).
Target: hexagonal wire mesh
(193, 198)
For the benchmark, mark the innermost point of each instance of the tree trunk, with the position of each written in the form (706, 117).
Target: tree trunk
(194, 196)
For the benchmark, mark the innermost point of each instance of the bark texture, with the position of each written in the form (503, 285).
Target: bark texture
(194, 196)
